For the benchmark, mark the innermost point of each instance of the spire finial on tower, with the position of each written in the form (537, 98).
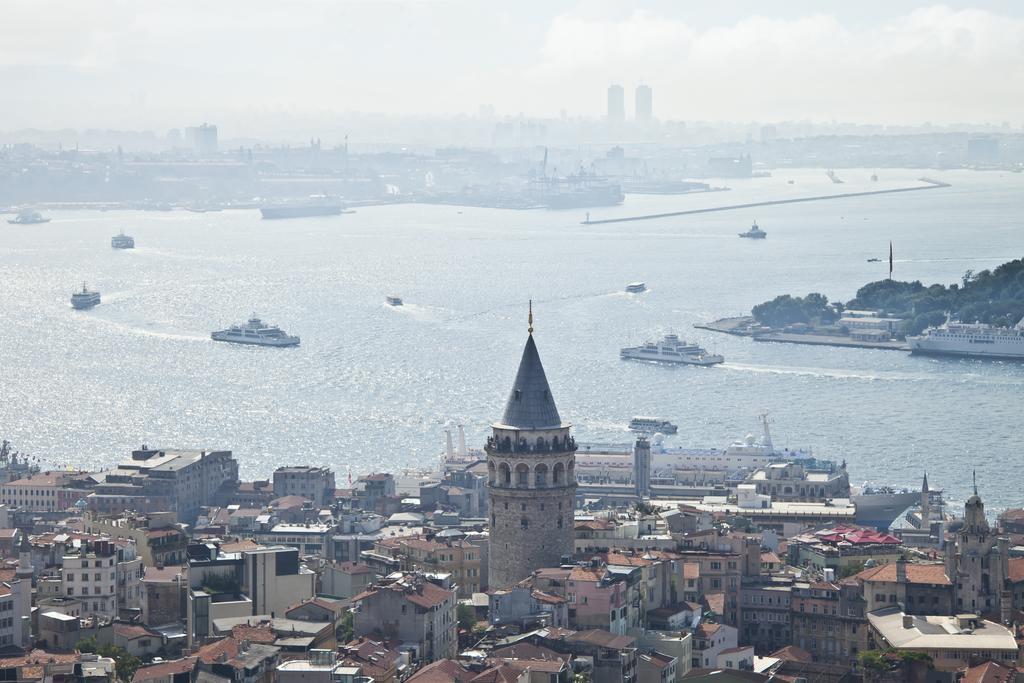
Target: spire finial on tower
(974, 477)
(529, 318)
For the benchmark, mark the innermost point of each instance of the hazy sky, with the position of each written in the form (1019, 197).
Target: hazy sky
(153, 64)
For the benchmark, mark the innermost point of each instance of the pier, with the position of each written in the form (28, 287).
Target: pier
(930, 185)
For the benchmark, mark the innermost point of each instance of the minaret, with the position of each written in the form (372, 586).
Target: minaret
(926, 505)
(25, 570)
(531, 466)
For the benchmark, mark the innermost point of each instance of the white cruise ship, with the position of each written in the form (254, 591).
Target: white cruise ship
(256, 332)
(122, 241)
(652, 425)
(971, 339)
(671, 349)
(743, 454)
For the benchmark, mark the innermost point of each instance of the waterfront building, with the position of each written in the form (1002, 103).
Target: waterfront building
(313, 483)
(46, 491)
(156, 480)
(616, 104)
(531, 478)
(644, 104)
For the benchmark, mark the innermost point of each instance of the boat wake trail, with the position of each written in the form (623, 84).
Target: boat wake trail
(883, 376)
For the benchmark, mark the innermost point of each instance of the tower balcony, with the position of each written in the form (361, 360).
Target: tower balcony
(538, 447)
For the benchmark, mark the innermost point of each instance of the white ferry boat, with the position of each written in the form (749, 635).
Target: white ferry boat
(122, 241)
(256, 332)
(652, 425)
(85, 299)
(671, 349)
(973, 340)
(755, 232)
(636, 287)
(394, 300)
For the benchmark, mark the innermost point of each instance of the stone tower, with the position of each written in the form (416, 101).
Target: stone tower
(976, 563)
(531, 467)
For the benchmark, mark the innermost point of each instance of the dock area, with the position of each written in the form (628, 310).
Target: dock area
(828, 340)
(930, 184)
(742, 326)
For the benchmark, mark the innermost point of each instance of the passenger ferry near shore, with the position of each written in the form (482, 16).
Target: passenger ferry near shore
(652, 425)
(972, 340)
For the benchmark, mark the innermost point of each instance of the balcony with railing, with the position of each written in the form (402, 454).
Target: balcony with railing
(540, 446)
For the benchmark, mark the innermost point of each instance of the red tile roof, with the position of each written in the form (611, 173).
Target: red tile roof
(353, 568)
(443, 671)
(164, 669)
(791, 653)
(132, 631)
(989, 672)
(932, 574)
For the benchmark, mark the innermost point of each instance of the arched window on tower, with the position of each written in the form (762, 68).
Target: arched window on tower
(558, 474)
(505, 474)
(554, 443)
(491, 474)
(540, 443)
(524, 523)
(522, 476)
(540, 475)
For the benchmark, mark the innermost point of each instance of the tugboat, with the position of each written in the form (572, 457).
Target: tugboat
(394, 300)
(28, 217)
(122, 241)
(85, 299)
(755, 233)
(256, 332)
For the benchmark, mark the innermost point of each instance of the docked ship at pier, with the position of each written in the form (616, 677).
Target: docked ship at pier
(973, 340)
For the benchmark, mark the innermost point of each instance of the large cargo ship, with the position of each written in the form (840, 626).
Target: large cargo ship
(316, 205)
(972, 340)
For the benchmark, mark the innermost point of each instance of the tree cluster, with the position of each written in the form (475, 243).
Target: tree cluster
(994, 296)
(812, 309)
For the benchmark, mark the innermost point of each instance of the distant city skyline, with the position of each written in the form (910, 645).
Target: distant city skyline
(72, 65)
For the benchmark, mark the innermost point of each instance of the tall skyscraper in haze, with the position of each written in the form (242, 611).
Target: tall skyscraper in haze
(616, 104)
(644, 103)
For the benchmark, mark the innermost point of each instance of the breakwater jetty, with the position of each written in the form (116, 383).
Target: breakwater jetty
(930, 184)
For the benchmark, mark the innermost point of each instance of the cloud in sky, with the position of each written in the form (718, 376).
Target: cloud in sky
(129, 64)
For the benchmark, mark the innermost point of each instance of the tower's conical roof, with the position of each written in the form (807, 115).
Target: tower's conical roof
(530, 405)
